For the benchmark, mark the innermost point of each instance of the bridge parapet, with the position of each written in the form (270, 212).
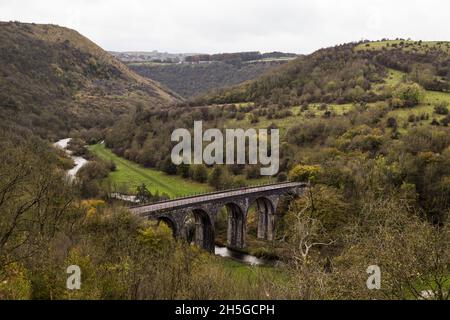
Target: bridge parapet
(280, 188)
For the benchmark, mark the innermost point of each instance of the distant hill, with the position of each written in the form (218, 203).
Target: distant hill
(347, 73)
(53, 80)
(192, 79)
(193, 74)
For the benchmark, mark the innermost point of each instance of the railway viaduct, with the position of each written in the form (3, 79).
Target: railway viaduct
(206, 207)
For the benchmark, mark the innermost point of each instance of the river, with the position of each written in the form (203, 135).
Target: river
(79, 161)
(239, 256)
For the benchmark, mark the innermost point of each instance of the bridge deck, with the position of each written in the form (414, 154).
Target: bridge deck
(220, 195)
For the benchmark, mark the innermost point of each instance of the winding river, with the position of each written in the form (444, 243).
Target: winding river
(79, 161)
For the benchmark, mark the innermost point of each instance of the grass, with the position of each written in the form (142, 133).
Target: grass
(427, 107)
(409, 45)
(284, 124)
(433, 97)
(242, 271)
(129, 175)
(394, 77)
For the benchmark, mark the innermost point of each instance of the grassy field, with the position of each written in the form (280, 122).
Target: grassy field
(244, 272)
(435, 96)
(409, 45)
(393, 78)
(129, 175)
(427, 107)
(284, 124)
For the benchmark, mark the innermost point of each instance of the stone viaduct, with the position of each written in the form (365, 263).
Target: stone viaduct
(205, 209)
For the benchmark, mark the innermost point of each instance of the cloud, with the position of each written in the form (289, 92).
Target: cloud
(236, 25)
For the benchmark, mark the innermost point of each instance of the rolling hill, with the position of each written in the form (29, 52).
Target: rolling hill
(345, 74)
(54, 80)
(191, 80)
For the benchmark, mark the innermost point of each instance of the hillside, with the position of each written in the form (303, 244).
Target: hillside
(189, 80)
(349, 110)
(191, 75)
(53, 80)
(345, 74)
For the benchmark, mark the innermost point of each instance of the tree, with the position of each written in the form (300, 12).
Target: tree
(412, 254)
(143, 195)
(168, 166)
(392, 123)
(409, 94)
(90, 177)
(183, 170)
(216, 177)
(305, 173)
(199, 173)
(441, 108)
(36, 200)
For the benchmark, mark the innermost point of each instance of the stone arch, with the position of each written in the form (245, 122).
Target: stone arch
(236, 225)
(170, 223)
(203, 230)
(266, 217)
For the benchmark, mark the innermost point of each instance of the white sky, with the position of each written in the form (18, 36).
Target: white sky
(212, 26)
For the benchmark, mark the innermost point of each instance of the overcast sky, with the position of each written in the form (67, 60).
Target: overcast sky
(211, 26)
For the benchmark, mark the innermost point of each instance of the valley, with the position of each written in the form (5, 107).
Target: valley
(364, 126)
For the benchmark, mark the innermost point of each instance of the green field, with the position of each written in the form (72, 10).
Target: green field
(242, 272)
(427, 107)
(409, 45)
(284, 124)
(129, 175)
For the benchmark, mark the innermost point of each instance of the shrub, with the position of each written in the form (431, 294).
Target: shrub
(305, 173)
(408, 95)
(281, 177)
(392, 123)
(446, 121)
(252, 172)
(411, 118)
(199, 173)
(441, 108)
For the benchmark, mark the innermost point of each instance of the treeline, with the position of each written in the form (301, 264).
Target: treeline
(238, 56)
